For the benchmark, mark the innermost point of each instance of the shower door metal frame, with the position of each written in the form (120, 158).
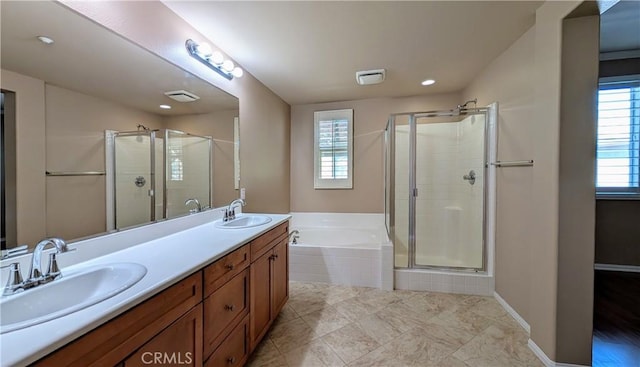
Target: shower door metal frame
(413, 190)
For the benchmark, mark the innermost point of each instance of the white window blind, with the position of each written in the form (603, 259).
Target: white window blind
(333, 149)
(618, 138)
(175, 154)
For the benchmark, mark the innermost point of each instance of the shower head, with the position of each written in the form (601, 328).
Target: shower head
(140, 126)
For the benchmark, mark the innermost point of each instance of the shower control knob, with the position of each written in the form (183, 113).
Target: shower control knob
(471, 177)
(140, 181)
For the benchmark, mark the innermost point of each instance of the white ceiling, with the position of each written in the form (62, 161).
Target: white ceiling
(309, 51)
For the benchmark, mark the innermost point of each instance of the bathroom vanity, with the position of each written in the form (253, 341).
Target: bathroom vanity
(213, 314)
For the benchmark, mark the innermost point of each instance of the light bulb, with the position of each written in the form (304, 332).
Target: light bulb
(217, 58)
(237, 72)
(228, 65)
(165, 106)
(428, 82)
(204, 49)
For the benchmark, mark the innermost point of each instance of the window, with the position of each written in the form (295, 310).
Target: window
(333, 156)
(618, 139)
(175, 159)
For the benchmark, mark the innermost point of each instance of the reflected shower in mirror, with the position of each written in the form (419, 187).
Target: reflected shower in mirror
(154, 174)
(74, 90)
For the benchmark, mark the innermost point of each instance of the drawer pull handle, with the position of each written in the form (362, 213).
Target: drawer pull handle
(231, 360)
(229, 307)
(229, 267)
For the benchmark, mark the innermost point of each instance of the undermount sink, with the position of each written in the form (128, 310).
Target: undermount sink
(66, 295)
(244, 221)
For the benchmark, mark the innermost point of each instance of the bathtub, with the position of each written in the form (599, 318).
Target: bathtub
(341, 248)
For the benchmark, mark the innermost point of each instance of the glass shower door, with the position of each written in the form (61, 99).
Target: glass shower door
(133, 179)
(449, 205)
(401, 165)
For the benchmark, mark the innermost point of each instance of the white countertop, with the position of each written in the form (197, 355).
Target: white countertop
(168, 259)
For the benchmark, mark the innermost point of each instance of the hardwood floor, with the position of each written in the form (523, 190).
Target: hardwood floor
(616, 319)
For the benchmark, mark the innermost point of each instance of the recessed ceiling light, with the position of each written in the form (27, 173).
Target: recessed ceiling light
(428, 82)
(165, 106)
(46, 40)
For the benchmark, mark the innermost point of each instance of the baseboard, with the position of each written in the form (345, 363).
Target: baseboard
(545, 359)
(512, 312)
(623, 268)
(540, 354)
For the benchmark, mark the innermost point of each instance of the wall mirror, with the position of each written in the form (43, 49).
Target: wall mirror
(89, 144)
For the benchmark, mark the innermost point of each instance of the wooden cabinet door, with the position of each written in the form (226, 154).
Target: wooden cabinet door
(180, 344)
(112, 342)
(280, 278)
(260, 310)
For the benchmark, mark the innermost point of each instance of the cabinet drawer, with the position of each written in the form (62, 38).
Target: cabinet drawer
(224, 309)
(263, 243)
(218, 273)
(112, 342)
(234, 350)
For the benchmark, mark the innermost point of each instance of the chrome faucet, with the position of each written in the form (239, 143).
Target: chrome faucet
(230, 213)
(295, 234)
(15, 283)
(53, 272)
(198, 208)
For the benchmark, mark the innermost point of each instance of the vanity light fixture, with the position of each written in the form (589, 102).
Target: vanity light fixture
(213, 59)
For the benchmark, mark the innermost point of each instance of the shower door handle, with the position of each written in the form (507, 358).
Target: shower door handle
(415, 192)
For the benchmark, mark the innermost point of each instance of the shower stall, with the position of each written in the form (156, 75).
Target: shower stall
(440, 195)
(152, 173)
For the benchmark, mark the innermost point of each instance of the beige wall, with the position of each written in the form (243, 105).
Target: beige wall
(370, 118)
(30, 152)
(509, 81)
(576, 235)
(76, 206)
(264, 117)
(539, 270)
(546, 135)
(218, 125)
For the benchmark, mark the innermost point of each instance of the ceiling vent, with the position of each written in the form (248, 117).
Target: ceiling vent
(182, 96)
(368, 77)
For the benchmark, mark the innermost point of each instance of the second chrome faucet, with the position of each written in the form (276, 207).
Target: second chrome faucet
(16, 284)
(230, 212)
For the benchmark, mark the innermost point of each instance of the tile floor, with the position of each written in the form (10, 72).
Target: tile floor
(328, 325)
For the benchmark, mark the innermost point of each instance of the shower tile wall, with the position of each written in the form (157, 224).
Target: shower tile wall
(448, 208)
(133, 159)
